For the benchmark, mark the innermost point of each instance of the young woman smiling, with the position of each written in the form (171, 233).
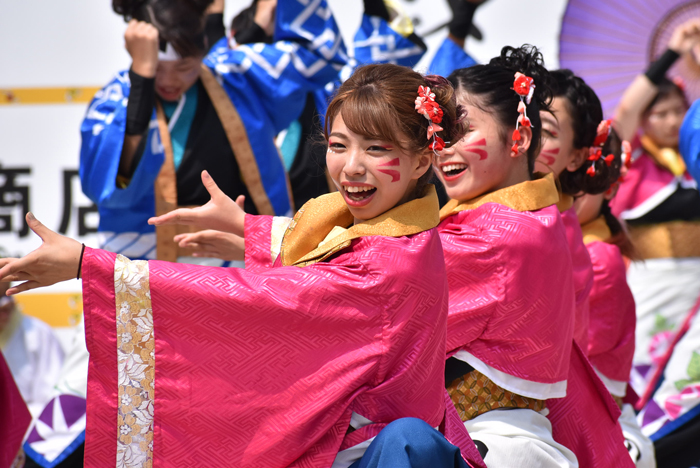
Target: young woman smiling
(335, 328)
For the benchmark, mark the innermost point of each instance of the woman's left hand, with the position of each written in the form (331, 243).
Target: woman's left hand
(56, 260)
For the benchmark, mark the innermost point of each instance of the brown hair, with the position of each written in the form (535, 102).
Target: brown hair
(378, 102)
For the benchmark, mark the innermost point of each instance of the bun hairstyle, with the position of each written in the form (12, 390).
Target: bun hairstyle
(181, 22)
(492, 87)
(586, 114)
(378, 102)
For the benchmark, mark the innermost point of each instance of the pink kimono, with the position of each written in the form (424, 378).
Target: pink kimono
(583, 275)
(262, 368)
(506, 319)
(612, 318)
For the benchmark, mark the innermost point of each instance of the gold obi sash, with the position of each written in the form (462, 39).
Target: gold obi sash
(166, 183)
(675, 239)
(307, 239)
(474, 394)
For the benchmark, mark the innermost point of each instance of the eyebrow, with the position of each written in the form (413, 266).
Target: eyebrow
(338, 135)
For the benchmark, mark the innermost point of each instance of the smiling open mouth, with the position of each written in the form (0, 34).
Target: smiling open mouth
(359, 194)
(451, 170)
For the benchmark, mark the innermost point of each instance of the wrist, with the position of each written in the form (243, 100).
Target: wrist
(144, 68)
(657, 70)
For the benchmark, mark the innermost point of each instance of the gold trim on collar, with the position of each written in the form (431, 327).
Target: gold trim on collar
(668, 158)
(526, 196)
(319, 216)
(596, 230)
(565, 202)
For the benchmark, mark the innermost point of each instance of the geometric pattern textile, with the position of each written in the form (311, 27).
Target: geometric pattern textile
(474, 394)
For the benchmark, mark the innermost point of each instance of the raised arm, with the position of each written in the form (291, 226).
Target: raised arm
(644, 87)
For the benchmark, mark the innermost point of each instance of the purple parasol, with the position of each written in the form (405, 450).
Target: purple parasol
(608, 43)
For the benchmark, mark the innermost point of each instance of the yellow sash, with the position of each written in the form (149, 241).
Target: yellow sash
(664, 157)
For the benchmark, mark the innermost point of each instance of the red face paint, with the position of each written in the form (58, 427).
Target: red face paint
(395, 175)
(549, 156)
(474, 147)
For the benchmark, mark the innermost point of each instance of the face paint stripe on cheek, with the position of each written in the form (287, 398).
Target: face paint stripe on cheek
(393, 162)
(549, 156)
(395, 175)
(474, 148)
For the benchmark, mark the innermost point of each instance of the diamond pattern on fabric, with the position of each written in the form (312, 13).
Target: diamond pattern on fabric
(474, 394)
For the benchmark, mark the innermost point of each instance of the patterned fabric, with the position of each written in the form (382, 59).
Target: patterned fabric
(474, 394)
(136, 357)
(583, 275)
(363, 331)
(501, 268)
(450, 57)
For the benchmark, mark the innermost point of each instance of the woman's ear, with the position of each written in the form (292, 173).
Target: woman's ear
(578, 157)
(425, 161)
(524, 143)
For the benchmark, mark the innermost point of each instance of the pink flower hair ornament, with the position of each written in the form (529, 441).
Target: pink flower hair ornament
(524, 86)
(428, 108)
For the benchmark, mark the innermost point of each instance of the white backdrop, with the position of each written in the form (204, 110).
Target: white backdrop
(49, 43)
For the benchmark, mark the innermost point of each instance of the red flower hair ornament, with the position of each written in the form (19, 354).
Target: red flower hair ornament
(524, 86)
(428, 108)
(596, 150)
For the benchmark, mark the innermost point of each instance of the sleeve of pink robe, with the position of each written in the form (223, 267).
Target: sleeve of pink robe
(225, 367)
(612, 314)
(511, 293)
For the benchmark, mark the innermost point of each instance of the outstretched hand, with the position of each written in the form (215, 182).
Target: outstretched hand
(220, 213)
(56, 260)
(213, 244)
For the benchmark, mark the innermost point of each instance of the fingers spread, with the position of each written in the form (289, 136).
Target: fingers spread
(26, 286)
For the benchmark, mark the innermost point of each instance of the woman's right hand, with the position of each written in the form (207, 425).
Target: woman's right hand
(141, 40)
(685, 37)
(213, 244)
(220, 213)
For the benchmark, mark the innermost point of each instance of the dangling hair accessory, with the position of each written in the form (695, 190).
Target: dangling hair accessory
(524, 86)
(428, 108)
(596, 150)
(626, 157)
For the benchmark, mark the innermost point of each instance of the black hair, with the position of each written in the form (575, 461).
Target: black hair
(665, 89)
(619, 236)
(181, 23)
(586, 112)
(493, 85)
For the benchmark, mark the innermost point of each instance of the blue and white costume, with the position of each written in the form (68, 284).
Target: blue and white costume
(267, 85)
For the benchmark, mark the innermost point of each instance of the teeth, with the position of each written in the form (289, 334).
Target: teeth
(357, 189)
(453, 167)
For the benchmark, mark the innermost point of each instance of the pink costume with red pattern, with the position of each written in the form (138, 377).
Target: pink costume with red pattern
(612, 318)
(507, 320)
(264, 368)
(583, 275)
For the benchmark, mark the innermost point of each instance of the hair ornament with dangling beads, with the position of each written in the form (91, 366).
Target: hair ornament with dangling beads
(596, 150)
(524, 86)
(428, 108)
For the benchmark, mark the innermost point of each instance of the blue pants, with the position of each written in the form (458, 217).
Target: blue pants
(410, 443)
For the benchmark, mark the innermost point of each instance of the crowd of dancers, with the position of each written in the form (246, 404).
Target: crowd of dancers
(315, 259)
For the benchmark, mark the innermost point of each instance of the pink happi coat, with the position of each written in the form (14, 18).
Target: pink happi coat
(15, 418)
(646, 185)
(583, 275)
(511, 296)
(612, 317)
(262, 368)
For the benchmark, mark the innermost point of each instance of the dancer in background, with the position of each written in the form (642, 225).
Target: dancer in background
(451, 55)
(496, 231)
(341, 312)
(149, 133)
(660, 204)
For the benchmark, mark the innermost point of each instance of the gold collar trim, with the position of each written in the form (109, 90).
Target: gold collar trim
(316, 219)
(669, 158)
(565, 202)
(596, 230)
(525, 196)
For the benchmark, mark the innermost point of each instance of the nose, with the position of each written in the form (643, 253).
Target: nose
(447, 152)
(354, 164)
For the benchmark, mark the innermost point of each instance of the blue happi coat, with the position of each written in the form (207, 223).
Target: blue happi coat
(267, 83)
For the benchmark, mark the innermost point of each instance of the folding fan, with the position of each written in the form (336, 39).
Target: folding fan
(608, 43)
